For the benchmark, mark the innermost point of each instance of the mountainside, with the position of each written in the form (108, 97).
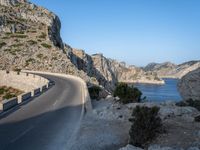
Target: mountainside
(170, 70)
(30, 39)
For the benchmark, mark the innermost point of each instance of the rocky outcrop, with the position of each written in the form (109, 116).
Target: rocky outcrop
(170, 70)
(189, 85)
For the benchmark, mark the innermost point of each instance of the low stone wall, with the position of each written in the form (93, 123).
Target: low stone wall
(31, 84)
(22, 81)
(7, 104)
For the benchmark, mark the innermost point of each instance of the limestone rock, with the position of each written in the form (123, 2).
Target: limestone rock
(170, 70)
(130, 147)
(158, 147)
(189, 85)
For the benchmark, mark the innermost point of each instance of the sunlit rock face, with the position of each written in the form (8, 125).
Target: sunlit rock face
(189, 85)
(170, 70)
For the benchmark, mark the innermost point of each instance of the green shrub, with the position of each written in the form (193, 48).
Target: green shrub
(5, 37)
(191, 103)
(94, 92)
(17, 70)
(2, 44)
(46, 45)
(146, 125)
(2, 90)
(40, 56)
(19, 36)
(17, 45)
(8, 96)
(197, 118)
(43, 35)
(127, 94)
(30, 60)
(31, 42)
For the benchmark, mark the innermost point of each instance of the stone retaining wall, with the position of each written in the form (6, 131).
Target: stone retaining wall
(22, 81)
(31, 84)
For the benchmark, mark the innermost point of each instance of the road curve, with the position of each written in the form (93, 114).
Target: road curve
(47, 122)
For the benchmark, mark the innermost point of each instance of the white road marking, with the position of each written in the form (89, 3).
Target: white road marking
(55, 103)
(22, 134)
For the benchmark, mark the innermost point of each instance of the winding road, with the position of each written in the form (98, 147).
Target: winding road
(48, 122)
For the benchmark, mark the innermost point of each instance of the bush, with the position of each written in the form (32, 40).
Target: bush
(197, 118)
(46, 45)
(191, 103)
(19, 36)
(17, 70)
(31, 42)
(2, 90)
(127, 94)
(94, 92)
(8, 96)
(43, 35)
(2, 44)
(40, 56)
(146, 125)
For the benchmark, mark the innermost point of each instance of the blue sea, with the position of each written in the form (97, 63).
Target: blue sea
(160, 93)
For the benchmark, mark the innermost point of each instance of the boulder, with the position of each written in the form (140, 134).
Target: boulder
(158, 147)
(189, 85)
(130, 147)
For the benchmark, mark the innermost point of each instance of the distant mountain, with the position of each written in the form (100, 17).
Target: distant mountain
(170, 70)
(30, 39)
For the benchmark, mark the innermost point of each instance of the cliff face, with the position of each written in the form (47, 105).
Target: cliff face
(30, 39)
(170, 70)
(21, 11)
(189, 85)
(108, 71)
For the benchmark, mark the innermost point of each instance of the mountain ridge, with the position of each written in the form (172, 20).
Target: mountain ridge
(170, 70)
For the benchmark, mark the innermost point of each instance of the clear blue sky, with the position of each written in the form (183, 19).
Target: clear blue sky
(134, 31)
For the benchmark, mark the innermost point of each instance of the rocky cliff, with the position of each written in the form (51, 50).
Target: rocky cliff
(189, 85)
(30, 39)
(105, 69)
(170, 70)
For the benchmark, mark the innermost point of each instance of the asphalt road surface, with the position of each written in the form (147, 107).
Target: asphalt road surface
(48, 122)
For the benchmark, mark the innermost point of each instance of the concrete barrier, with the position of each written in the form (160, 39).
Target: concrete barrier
(24, 97)
(35, 92)
(44, 88)
(7, 104)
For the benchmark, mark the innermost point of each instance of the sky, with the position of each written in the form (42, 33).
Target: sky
(135, 31)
